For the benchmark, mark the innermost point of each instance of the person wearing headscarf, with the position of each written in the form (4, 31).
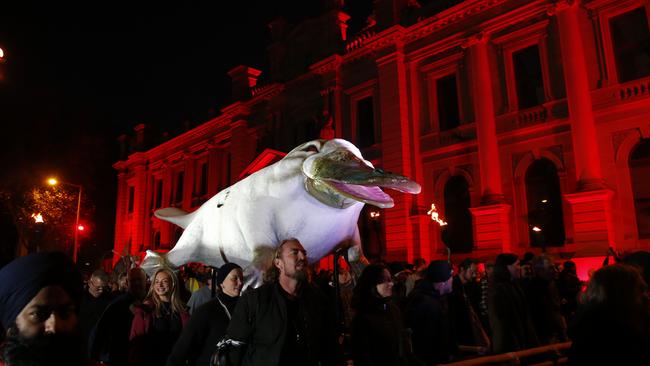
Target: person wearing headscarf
(512, 326)
(209, 321)
(39, 301)
(158, 323)
(377, 327)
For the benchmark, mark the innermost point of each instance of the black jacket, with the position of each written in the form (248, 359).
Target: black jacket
(378, 335)
(512, 326)
(206, 327)
(600, 336)
(427, 314)
(109, 340)
(260, 320)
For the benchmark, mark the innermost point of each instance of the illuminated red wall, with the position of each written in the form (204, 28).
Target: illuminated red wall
(587, 124)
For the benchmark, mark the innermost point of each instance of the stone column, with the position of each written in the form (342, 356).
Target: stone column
(591, 203)
(492, 217)
(139, 207)
(395, 150)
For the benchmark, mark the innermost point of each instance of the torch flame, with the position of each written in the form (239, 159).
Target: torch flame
(38, 218)
(435, 216)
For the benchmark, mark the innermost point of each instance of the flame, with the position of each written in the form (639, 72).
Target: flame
(435, 216)
(38, 218)
(536, 229)
(374, 214)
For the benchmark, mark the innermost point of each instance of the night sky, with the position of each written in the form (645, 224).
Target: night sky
(75, 79)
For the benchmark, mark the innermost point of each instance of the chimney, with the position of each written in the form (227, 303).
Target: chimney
(389, 12)
(123, 142)
(244, 78)
(140, 137)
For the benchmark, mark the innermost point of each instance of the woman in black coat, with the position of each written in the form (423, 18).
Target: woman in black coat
(377, 327)
(612, 326)
(209, 321)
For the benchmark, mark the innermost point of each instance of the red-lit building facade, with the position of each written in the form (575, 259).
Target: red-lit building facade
(526, 122)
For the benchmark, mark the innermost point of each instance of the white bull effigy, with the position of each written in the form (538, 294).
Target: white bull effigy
(314, 194)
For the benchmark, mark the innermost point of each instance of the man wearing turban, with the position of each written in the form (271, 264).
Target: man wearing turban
(39, 299)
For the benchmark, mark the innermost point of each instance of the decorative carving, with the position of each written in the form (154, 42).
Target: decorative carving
(452, 17)
(640, 88)
(559, 5)
(480, 37)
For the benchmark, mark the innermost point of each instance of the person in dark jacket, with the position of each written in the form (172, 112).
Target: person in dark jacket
(109, 340)
(427, 314)
(466, 292)
(286, 321)
(209, 322)
(544, 302)
(612, 326)
(569, 286)
(94, 302)
(377, 326)
(512, 327)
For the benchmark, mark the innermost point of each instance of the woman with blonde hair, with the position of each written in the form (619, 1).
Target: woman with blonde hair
(158, 323)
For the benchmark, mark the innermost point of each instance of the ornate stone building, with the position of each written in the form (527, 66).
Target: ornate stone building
(526, 122)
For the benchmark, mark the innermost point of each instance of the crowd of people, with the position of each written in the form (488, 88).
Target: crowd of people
(378, 314)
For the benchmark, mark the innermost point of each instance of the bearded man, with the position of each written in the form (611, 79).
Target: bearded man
(286, 321)
(39, 301)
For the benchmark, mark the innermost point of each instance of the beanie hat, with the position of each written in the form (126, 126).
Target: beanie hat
(224, 270)
(438, 271)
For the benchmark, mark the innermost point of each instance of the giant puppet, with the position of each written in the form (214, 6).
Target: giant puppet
(315, 194)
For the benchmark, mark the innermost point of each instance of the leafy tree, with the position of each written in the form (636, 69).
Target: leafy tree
(58, 207)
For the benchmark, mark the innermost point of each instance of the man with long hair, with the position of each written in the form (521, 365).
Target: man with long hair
(286, 321)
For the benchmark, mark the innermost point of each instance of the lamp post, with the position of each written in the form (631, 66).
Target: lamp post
(54, 182)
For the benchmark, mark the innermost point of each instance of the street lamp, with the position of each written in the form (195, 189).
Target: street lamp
(54, 182)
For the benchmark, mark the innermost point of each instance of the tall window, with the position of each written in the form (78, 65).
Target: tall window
(131, 199)
(447, 99)
(545, 217)
(156, 240)
(158, 187)
(458, 234)
(639, 173)
(365, 122)
(178, 192)
(528, 76)
(202, 187)
(631, 41)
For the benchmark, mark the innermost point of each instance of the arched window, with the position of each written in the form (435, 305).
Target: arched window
(544, 199)
(640, 178)
(458, 234)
